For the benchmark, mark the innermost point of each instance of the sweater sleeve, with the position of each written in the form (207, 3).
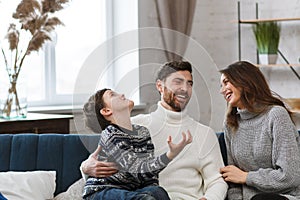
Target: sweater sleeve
(285, 173)
(234, 190)
(141, 166)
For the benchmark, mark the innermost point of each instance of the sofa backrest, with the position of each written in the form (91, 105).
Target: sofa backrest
(60, 152)
(222, 144)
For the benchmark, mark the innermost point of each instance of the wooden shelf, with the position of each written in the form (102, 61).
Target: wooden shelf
(37, 123)
(253, 21)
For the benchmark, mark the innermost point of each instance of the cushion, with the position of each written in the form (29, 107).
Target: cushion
(28, 185)
(74, 192)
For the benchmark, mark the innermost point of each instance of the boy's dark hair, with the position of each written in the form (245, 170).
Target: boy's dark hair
(171, 67)
(91, 110)
(99, 104)
(89, 115)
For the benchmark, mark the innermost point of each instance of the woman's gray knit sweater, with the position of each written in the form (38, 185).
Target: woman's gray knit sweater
(267, 146)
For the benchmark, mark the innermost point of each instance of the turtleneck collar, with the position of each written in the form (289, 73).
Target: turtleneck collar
(170, 116)
(245, 114)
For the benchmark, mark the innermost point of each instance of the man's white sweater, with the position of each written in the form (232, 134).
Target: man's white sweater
(194, 173)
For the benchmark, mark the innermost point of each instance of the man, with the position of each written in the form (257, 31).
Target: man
(193, 174)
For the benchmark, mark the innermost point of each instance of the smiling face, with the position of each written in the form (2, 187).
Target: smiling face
(176, 90)
(117, 102)
(231, 93)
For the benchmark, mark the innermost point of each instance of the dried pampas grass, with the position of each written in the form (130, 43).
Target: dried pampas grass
(35, 17)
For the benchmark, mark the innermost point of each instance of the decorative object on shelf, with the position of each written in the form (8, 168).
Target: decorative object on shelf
(13, 98)
(34, 19)
(256, 21)
(267, 35)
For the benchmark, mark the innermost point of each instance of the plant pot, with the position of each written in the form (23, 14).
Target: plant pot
(267, 59)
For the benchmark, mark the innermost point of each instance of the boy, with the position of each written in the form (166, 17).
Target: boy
(131, 148)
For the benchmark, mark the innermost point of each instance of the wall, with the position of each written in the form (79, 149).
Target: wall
(217, 39)
(214, 30)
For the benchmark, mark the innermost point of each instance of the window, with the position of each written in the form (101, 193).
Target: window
(52, 74)
(84, 29)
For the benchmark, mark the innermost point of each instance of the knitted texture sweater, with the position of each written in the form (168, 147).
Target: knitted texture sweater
(194, 173)
(133, 151)
(266, 146)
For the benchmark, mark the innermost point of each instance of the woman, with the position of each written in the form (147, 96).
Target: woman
(262, 142)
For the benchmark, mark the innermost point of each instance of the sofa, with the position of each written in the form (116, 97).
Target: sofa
(59, 153)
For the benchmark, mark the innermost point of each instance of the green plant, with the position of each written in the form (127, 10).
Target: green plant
(267, 35)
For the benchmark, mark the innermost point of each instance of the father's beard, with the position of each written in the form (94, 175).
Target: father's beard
(170, 98)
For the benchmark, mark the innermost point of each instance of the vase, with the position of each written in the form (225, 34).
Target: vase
(13, 100)
(267, 59)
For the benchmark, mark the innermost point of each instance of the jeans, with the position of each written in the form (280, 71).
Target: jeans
(146, 193)
(268, 196)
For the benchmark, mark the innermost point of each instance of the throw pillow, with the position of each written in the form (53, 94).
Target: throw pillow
(74, 192)
(28, 185)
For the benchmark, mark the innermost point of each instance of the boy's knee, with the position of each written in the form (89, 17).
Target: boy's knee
(144, 197)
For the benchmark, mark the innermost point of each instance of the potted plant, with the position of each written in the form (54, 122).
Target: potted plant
(267, 35)
(35, 20)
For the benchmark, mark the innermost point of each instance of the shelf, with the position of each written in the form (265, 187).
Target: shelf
(37, 123)
(253, 21)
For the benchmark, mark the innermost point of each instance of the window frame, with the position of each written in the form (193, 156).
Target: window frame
(52, 98)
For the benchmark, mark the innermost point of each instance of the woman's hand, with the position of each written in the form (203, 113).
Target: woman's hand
(99, 169)
(175, 149)
(233, 174)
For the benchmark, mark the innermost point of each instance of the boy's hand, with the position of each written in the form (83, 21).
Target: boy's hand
(175, 149)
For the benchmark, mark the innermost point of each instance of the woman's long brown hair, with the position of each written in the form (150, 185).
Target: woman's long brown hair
(256, 94)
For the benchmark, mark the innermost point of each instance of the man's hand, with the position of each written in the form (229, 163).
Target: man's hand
(95, 168)
(233, 174)
(175, 149)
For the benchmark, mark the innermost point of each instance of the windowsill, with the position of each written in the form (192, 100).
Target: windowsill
(67, 109)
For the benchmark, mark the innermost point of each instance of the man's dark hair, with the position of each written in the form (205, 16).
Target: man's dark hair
(171, 67)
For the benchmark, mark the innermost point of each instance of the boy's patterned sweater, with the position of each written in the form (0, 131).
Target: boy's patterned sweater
(133, 151)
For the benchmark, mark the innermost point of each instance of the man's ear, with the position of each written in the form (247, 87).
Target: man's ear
(159, 86)
(105, 112)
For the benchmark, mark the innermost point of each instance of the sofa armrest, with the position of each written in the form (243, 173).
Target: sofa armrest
(222, 144)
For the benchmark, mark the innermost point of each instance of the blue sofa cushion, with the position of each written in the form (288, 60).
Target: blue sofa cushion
(222, 144)
(60, 152)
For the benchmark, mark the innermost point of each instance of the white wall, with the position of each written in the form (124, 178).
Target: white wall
(214, 30)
